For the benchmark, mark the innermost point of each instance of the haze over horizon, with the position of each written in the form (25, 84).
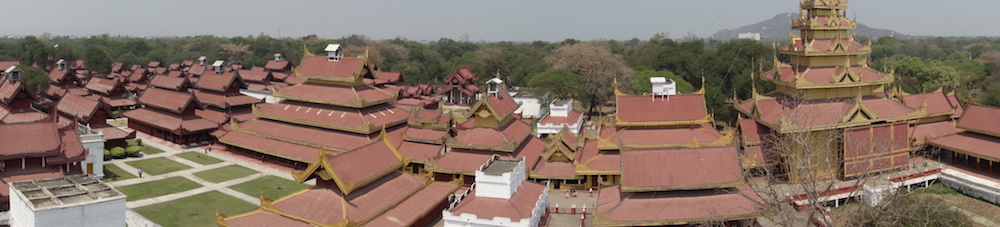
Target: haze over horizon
(481, 20)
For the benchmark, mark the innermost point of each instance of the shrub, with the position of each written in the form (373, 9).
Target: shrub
(118, 151)
(132, 150)
(107, 152)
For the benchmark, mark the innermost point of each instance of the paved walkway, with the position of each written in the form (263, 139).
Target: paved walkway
(170, 150)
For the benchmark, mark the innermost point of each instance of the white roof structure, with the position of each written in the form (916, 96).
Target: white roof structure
(332, 47)
(218, 63)
(660, 80)
(11, 69)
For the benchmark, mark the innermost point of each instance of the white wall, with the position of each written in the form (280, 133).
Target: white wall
(94, 143)
(530, 107)
(971, 185)
(266, 95)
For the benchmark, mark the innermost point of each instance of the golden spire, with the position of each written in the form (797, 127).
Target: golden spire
(617, 92)
(702, 90)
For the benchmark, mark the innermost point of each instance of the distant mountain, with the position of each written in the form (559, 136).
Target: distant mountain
(778, 26)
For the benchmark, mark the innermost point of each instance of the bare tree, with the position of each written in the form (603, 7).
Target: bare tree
(598, 66)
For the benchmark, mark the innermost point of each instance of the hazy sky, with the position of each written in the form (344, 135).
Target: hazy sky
(549, 20)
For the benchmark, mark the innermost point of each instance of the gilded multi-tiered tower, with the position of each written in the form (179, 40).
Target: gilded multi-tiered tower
(826, 96)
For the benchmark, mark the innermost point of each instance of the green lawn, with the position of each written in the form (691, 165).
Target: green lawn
(197, 210)
(225, 173)
(156, 166)
(157, 188)
(114, 173)
(199, 158)
(936, 189)
(145, 149)
(272, 186)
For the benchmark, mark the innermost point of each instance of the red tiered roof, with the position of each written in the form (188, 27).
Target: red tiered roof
(224, 101)
(937, 103)
(287, 150)
(678, 208)
(929, 131)
(334, 94)
(680, 169)
(822, 75)
(218, 82)
(256, 76)
(753, 132)
(170, 122)
(80, 108)
(822, 112)
(823, 45)
(277, 65)
(665, 136)
(335, 117)
(419, 151)
(641, 108)
(320, 66)
(981, 119)
(329, 139)
(172, 101)
(102, 85)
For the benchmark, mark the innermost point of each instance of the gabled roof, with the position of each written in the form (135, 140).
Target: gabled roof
(461, 76)
(277, 65)
(618, 208)
(58, 76)
(981, 119)
(507, 138)
(224, 101)
(171, 83)
(518, 207)
(593, 161)
(172, 101)
(692, 136)
(355, 168)
(256, 76)
(358, 96)
(346, 70)
(938, 103)
(390, 77)
(365, 120)
(103, 86)
(138, 76)
(928, 131)
(680, 169)
(80, 108)
(219, 82)
(784, 114)
(645, 110)
(9, 91)
(171, 122)
(332, 140)
(420, 152)
(42, 138)
(752, 132)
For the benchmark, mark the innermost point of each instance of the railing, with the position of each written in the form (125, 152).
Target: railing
(131, 217)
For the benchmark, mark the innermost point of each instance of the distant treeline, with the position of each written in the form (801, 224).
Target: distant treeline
(970, 66)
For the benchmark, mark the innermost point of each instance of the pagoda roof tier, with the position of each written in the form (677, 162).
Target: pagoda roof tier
(420, 152)
(406, 197)
(546, 169)
(804, 77)
(593, 161)
(356, 96)
(42, 138)
(825, 47)
(823, 4)
(820, 22)
(256, 76)
(327, 139)
(518, 207)
(680, 169)
(170, 122)
(170, 83)
(970, 143)
(466, 162)
(355, 168)
(429, 119)
(505, 139)
(981, 119)
(346, 71)
(224, 101)
(19, 116)
(422, 135)
(638, 138)
(365, 121)
(618, 208)
(752, 132)
(103, 85)
(784, 114)
(648, 110)
(81, 108)
(938, 103)
(920, 133)
(287, 150)
(214, 81)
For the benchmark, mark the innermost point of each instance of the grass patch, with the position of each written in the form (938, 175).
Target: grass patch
(145, 149)
(937, 189)
(199, 158)
(225, 173)
(114, 173)
(272, 186)
(156, 166)
(157, 188)
(196, 210)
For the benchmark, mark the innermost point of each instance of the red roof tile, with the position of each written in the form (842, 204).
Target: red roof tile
(981, 119)
(218, 82)
(223, 101)
(971, 143)
(929, 131)
(10, 89)
(822, 75)
(277, 65)
(334, 94)
(330, 139)
(169, 121)
(37, 137)
(213, 115)
(503, 104)
(291, 151)
(420, 151)
(341, 118)
(416, 206)
(264, 218)
(672, 169)
(558, 169)
(80, 108)
(461, 161)
(361, 205)
(320, 66)
(102, 85)
(664, 136)
(58, 76)
(519, 206)
(119, 102)
(823, 112)
(678, 207)
(172, 101)
(391, 77)
(361, 165)
(256, 76)
(114, 133)
(753, 132)
(425, 135)
(937, 103)
(688, 107)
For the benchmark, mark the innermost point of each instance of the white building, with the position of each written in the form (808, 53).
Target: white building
(93, 141)
(531, 105)
(749, 35)
(77, 200)
(663, 86)
(561, 114)
(501, 196)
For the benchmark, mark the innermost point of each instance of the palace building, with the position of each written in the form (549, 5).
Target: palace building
(333, 111)
(827, 93)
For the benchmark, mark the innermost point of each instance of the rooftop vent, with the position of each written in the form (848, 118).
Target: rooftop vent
(493, 87)
(13, 74)
(218, 66)
(334, 52)
(278, 57)
(663, 86)
(202, 60)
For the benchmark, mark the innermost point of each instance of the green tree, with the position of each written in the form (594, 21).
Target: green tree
(34, 52)
(642, 84)
(97, 60)
(36, 79)
(562, 83)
